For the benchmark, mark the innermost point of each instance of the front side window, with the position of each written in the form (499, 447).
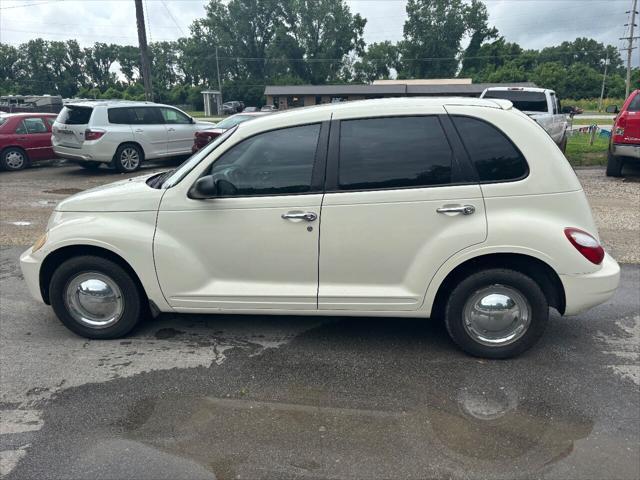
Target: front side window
(395, 152)
(492, 153)
(271, 163)
(21, 129)
(145, 116)
(174, 116)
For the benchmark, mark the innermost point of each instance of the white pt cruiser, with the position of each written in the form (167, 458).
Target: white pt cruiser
(460, 209)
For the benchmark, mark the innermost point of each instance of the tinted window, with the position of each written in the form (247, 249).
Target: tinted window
(174, 116)
(272, 163)
(492, 153)
(634, 106)
(393, 153)
(145, 116)
(522, 100)
(35, 125)
(72, 115)
(118, 115)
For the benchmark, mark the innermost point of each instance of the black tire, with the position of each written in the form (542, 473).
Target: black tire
(123, 153)
(14, 159)
(90, 165)
(522, 284)
(131, 296)
(614, 165)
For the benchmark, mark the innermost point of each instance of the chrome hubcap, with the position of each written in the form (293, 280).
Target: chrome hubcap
(94, 300)
(130, 158)
(497, 315)
(14, 159)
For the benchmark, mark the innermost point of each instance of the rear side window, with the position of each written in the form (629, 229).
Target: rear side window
(634, 106)
(35, 125)
(75, 115)
(145, 116)
(395, 152)
(523, 100)
(494, 156)
(118, 115)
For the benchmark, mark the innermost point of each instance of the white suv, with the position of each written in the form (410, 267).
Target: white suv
(122, 133)
(462, 209)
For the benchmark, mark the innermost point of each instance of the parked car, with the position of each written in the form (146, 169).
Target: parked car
(202, 137)
(541, 104)
(234, 106)
(465, 213)
(122, 134)
(24, 138)
(250, 109)
(269, 108)
(624, 145)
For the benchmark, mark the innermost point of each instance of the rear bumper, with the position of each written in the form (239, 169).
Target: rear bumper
(626, 150)
(84, 154)
(585, 291)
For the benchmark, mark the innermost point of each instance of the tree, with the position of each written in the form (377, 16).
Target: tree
(479, 31)
(377, 62)
(129, 61)
(586, 51)
(98, 62)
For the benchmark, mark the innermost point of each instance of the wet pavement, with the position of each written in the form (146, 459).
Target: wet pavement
(290, 397)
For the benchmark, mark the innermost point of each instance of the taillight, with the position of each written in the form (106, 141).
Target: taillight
(93, 134)
(618, 128)
(586, 244)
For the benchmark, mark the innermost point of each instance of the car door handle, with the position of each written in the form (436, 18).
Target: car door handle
(308, 216)
(171, 129)
(463, 209)
(139, 130)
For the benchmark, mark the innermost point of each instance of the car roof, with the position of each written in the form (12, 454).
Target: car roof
(367, 108)
(28, 114)
(113, 103)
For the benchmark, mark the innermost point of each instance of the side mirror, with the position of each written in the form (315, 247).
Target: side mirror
(205, 187)
(612, 109)
(192, 120)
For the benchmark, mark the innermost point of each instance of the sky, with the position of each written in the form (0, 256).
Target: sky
(530, 23)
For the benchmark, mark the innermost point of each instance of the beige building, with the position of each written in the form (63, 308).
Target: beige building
(290, 96)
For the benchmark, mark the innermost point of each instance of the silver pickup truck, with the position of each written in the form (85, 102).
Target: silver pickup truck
(541, 104)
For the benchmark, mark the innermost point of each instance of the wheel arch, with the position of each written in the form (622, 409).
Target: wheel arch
(55, 258)
(541, 272)
(130, 142)
(18, 147)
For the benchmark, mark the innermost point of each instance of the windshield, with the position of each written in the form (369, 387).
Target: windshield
(182, 171)
(522, 100)
(232, 121)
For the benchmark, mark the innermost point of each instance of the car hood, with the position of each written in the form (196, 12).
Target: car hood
(131, 195)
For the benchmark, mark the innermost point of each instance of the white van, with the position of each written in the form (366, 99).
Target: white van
(122, 134)
(461, 209)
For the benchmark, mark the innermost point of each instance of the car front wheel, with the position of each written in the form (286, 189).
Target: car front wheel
(14, 159)
(496, 313)
(95, 297)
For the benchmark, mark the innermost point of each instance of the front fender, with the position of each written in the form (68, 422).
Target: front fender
(126, 234)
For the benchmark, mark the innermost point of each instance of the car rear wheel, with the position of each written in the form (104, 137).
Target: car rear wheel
(128, 158)
(95, 297)
(496, 313)
(14, 159)
(614, 165)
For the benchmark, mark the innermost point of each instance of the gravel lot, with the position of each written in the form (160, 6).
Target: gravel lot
(28, 197)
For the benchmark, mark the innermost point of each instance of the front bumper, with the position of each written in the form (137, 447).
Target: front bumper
(585, 291)
(30, 267)
(626, 150)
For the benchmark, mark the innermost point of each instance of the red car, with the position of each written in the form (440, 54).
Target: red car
(625, 136)
(25, 137)
(203, 137)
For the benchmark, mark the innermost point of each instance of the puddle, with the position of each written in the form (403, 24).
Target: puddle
(63, 191)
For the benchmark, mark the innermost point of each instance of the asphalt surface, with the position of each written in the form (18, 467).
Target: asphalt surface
(292, 397)
(289, 397)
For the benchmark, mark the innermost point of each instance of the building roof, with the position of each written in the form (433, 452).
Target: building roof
(386, 89)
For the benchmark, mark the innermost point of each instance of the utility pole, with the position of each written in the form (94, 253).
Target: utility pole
(604, 79)
(144, 52)
(630, 48)
(218, 71)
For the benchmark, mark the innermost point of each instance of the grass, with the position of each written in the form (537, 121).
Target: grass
(590, 121)
(590, 105)
(580, 153)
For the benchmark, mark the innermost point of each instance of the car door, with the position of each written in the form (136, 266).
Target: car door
(254, 246)
(180, 131)
(399, 201)
(149, 130)
(35, 138)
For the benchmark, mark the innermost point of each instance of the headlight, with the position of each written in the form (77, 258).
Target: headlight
(39, 243)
